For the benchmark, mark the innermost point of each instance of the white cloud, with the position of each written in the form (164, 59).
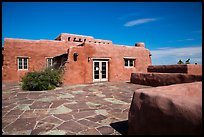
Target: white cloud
(172, 55)
(139, 21)
(185, 40)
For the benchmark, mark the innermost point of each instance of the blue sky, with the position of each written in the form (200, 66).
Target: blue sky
(170, 30)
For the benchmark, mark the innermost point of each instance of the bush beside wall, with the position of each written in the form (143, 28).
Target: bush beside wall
(44, 80)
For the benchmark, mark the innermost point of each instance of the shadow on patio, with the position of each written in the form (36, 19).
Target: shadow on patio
(121, 127)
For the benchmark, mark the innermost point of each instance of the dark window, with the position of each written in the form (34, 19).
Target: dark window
(126, 62)
(49, 62)
(74, 39)
(129, 62)
(68, 38)
(84, 40)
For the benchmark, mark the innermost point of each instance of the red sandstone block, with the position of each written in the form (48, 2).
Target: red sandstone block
(175, 109)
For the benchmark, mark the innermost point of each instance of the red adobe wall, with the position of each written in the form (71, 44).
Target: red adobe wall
(77, 72)
(36, 50)
(81, 71)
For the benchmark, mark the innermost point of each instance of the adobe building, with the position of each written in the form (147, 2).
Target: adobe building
(83, 58)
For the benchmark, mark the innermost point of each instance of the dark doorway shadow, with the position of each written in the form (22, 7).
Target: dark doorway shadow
(121, 127)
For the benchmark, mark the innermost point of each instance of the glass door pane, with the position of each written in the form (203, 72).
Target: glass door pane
(96, 70)
(103, 70)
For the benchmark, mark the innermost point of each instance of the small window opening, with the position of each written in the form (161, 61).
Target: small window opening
(49, 62)
(129, 62)
(22, 63)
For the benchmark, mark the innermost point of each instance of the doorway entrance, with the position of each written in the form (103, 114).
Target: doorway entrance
(100, 70)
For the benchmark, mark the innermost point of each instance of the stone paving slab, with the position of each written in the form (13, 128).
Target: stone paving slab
(86, 109)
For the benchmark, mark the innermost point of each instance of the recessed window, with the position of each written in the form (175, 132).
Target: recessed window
(22, 63)
(68, 38)
(84, 40)
(74, 39)
(79, 39)
(49, 62)
(129, 62)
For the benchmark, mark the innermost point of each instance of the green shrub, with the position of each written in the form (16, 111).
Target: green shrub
(43, 80)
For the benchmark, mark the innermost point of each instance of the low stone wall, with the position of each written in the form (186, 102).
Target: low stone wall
(162, 79)
(183, 68)
(175, 109)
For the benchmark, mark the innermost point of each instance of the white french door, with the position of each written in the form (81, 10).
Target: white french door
(100, 70)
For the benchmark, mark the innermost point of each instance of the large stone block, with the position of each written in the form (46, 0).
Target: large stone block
(162, 79)
(175, 109)
(178, 68)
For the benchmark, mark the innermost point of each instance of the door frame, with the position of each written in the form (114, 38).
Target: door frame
(100, 66)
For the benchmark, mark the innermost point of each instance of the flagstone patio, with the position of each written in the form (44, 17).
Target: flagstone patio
(85, 109)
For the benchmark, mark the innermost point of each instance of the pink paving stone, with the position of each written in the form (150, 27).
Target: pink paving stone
(76, 106)
(33, 95)
(115, 111)
(4, 124)
(9, 119)
(40, 105)
(28, 114)
(105, 130)
(51, 119)
(83, 114)
(64, 117)
(70, 133)
(9, 102)
(97, 118)
(22, 95)
(26, 102)
(92, 131)
(4, 112)
(21, 124)
(57, 103)
(5, 96)
(38, 114)
(42, 127)
(122, 116)
(72, 126)
(14, 112)
(87, 109)
(88, 123)
(7, 108)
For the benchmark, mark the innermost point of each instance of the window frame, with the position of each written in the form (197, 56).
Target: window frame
(22, 63)
(128, 60)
